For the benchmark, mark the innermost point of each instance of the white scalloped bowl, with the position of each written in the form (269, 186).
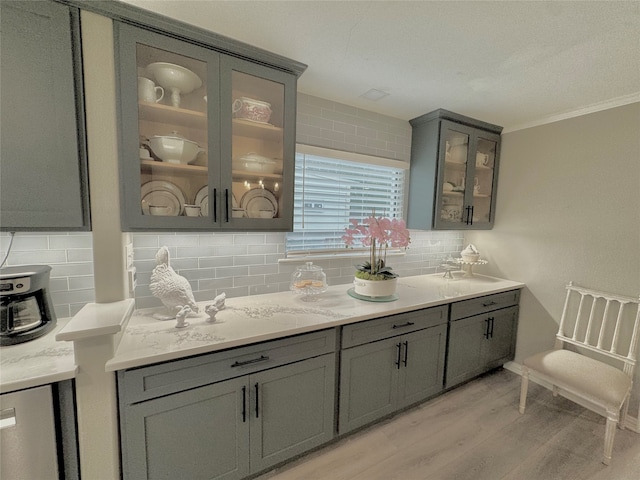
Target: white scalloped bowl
(173, 76)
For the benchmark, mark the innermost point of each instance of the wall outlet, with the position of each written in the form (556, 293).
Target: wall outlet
(132, 280)
(129, 253)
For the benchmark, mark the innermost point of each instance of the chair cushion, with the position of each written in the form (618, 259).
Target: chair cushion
(596, 379)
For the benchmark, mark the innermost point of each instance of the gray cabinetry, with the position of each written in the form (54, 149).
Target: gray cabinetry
(390, 363)
(454, 172)
(43, 185)
(482, 335)
(227, 415)
(237, 118)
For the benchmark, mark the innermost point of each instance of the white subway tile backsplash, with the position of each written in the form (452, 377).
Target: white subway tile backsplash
(71, 257)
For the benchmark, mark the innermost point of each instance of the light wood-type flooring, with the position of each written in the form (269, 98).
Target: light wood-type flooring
(475, 432)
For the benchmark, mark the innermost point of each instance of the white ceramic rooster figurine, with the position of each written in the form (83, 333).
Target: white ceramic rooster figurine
(172, 289)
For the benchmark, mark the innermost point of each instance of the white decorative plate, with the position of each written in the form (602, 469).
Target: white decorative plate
(202, 199)
(259, 199)
(160, 192)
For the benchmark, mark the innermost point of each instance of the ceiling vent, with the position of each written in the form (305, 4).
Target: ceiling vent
(374, 94)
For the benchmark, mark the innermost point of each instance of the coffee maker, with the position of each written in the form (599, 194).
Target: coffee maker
(26, 311)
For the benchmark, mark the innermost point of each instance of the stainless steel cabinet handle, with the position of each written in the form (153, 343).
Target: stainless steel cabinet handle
(399, 347)
(488, 304)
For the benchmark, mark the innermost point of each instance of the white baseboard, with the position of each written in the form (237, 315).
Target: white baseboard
(632, 423)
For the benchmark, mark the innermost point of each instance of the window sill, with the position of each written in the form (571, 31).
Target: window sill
(302, 258)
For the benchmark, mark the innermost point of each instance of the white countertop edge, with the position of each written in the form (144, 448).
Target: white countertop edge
(38, 381)
(121, 362)
(97, 319)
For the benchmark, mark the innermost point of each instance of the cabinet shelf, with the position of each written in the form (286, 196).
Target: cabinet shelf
(172, 168)
(240, 175)
(155, 112)
(247, 128)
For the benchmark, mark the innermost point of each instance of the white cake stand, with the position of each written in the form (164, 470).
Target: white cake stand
(467, 267)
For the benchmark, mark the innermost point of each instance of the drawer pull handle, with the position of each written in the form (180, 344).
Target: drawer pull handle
(262, 358)
(408, 324)
(489, 304)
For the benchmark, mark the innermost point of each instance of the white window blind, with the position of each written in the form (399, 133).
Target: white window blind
(330, 190)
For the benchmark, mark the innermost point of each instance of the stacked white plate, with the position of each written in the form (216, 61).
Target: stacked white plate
(164, 194)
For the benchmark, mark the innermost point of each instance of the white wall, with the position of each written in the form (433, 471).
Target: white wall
(568, 208)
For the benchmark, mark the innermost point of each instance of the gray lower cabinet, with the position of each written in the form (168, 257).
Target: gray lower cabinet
(231, 428)
(383, 376)
(479, 343)
(43, 185)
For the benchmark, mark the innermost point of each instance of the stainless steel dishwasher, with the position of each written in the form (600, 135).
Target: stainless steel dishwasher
(28, 435)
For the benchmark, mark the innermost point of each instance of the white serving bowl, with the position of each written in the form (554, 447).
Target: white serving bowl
(252, 162)
(174, 149)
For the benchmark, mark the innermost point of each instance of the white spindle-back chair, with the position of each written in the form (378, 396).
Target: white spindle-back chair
(609, 330)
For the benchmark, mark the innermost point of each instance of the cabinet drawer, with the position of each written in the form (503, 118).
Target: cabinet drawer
(144, 383)
(477, 306)
(386, 327)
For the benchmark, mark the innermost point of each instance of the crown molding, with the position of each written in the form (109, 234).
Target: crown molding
(596, 107)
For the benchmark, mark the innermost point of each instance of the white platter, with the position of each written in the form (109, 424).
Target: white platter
(202, 199)
(259, 199)
(160, 192)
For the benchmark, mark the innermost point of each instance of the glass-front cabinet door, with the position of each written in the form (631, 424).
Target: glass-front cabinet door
(259, 123)
(206, 138)
(465, 196)
(485, 160)
(169, 150)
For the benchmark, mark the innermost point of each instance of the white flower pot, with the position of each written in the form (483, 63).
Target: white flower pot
(375, 288)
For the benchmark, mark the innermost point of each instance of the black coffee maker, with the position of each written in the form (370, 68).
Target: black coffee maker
(26, 311)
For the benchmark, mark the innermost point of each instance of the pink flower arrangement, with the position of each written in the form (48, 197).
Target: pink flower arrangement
(377, 233)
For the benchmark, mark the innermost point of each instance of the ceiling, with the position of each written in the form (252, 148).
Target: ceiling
(511, 63)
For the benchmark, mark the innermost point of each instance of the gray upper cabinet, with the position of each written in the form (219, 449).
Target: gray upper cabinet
(454, 172)
(43, 183)
(207, 139)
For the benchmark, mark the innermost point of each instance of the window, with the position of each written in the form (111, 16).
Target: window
(332, 187)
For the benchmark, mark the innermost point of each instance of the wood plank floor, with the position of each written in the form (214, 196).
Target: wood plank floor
(475, 432)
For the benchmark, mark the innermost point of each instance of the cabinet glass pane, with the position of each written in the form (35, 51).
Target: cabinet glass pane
(257, 146)
(455, 165)
(172, 125)
(483, 179)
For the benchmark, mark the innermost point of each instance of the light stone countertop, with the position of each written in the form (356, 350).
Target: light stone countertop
(37, 362)
(246, 320)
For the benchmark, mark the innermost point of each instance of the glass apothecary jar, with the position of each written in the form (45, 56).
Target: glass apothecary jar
(308, 280)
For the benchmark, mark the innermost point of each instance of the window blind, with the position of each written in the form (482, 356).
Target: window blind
(330, 191)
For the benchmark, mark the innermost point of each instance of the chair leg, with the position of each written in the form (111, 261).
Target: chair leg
(624, 411)
(524, 385)
(609, 434)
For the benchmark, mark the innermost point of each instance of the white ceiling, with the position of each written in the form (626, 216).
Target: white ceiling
(512, 63)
